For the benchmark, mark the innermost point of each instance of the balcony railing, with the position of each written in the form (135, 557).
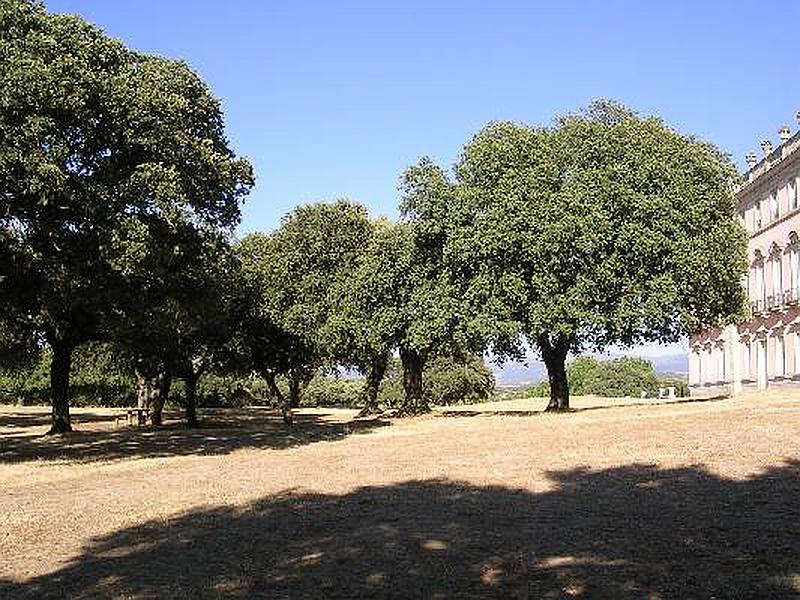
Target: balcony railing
(776, 302)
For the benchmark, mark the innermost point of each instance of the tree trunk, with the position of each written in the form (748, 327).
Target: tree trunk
(191, 399)
(555, 359)
(163, 386)
(413, 366)
(295, 382)
(59, 385)
(143, 390)
(372, 383)
(286, 409)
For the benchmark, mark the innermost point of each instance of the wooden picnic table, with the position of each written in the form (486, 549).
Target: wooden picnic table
(135, 416)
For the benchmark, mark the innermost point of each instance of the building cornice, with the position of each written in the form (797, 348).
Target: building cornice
(769, 167)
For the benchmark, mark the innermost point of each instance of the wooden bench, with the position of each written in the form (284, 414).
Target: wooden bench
(134, 416)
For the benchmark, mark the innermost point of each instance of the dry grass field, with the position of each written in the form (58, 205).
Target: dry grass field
(614, 500)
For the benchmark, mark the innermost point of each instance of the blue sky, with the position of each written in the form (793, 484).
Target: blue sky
(335, 99)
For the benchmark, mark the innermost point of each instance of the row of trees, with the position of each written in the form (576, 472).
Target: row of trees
(120, 192)
(100, 376)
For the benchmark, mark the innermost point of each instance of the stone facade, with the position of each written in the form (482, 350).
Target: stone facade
(764, 351)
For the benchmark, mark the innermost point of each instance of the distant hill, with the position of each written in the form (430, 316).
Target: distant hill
(673, 364)
(518, 374)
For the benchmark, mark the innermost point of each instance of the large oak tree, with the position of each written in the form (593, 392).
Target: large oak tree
(103, 152)
(606, 228)
(368, 317)
(294, 273)
(432, 299)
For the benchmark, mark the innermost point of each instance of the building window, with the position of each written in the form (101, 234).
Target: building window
(793, 193)
(775, 210)
(777, 277)
(757, 216)
(794, 270)
(780, 355)
(761, 285)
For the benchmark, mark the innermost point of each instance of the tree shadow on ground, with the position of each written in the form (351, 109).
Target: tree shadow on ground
(629, 532)
(461, 412)
(221, 432)
(24, 419)
(488, 413)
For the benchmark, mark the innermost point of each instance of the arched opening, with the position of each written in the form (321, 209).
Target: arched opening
(761, 362)
(776, 258)
(794, 268)
(746, 358)
(759, 286)
(774, 207)
(779, 368)
(757, 218)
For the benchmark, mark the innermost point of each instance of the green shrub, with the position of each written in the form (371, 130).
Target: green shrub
(579, 372)
(28, 384)
(98, 379)
(624, 376)
(330, 391)
(391, 393)
(619, 377)
(681, 385)
(540, 389)
(228, 391)
(447, 380)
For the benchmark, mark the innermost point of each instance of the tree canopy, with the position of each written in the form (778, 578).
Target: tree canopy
(105, 154)
(605, 228)
(119, 194)
(293, 275)
(367, 319)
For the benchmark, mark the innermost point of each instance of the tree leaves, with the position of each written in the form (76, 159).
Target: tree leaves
(607, 228)
(109, 160)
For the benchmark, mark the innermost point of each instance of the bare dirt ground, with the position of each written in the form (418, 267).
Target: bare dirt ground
(616, 500)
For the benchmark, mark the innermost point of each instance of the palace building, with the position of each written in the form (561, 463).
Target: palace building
(764, 351)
